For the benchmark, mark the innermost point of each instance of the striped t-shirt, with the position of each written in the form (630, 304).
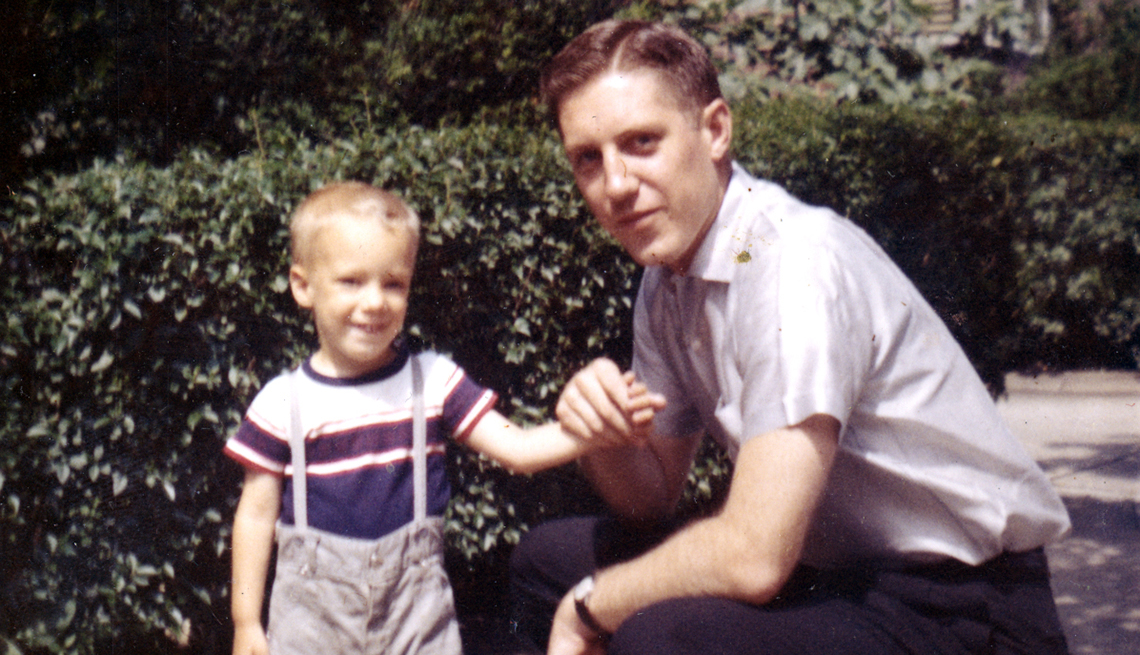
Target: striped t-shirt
(358, 441)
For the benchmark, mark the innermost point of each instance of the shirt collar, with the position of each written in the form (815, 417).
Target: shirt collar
(726, 244)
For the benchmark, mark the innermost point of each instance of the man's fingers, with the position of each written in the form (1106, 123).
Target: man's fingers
(598, 395)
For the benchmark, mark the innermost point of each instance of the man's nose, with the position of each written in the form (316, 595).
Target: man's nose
(620, 182)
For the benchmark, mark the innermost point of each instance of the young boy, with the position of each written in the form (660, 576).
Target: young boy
(366, 576)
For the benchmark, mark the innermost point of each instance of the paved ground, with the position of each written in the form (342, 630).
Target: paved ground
(1084, 429)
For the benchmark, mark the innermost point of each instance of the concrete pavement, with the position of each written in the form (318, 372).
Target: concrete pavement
(1084, 429)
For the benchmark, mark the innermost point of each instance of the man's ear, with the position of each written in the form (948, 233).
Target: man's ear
(716, 121)
(299, 284)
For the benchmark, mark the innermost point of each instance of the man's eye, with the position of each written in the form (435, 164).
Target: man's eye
(644, 142)
(585, 159)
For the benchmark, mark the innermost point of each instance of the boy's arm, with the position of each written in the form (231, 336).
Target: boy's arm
(254, 525)
(527, 450)
(524, 450)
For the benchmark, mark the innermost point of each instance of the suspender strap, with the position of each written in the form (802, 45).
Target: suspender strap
(419, 441)
(297, 451)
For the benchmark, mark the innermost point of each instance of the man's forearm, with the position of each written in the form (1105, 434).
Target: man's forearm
(640, 482)
(749, 548)
(702, 560)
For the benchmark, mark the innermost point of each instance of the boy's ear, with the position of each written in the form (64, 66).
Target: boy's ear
(299, 284)
(716, 120)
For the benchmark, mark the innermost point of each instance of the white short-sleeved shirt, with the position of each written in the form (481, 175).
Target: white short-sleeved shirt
(790, 310)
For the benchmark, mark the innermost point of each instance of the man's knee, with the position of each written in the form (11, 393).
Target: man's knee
(557, 551)
(680, 625)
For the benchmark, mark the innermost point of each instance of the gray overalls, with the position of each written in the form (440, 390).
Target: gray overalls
(335, 594)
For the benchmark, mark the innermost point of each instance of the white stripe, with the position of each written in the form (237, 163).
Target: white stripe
(263, 424)
(245, 452)
(477, 410)
(379, 419)
(366, 461)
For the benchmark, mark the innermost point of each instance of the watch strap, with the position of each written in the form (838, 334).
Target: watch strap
(582, 594)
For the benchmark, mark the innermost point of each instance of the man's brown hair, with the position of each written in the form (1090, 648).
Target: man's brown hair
(629, 45)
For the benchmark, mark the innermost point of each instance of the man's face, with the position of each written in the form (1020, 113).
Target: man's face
(647, 166)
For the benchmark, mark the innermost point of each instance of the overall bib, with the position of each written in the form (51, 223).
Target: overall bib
(336, 594)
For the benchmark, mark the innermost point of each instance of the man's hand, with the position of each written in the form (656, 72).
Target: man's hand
(568, 636)
(600, 402)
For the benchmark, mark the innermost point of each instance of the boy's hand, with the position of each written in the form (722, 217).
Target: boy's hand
(643, 406)
(601, 403)
(250, 640)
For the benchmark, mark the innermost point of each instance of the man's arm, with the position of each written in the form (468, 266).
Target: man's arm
(745, 552)
(643, 480)
(254, 525)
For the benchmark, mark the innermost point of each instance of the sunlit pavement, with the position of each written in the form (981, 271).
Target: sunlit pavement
(1084, 429)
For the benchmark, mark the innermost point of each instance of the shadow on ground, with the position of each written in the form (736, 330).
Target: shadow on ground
(1096, 575)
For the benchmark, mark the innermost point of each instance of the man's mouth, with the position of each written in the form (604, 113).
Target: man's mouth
(634, 220)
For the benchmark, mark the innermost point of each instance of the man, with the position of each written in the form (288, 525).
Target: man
(878, 503)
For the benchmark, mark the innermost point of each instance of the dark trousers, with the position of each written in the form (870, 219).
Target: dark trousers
(1003, 606)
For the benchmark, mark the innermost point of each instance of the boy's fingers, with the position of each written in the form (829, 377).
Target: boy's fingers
(646, 400)
(643, 416)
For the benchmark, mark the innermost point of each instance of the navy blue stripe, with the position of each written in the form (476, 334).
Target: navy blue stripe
(334, 502)
(249, 434)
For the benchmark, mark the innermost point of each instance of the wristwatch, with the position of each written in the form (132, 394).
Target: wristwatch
(582, 592)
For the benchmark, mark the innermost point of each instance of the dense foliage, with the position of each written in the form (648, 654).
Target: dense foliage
(86, 78)
(855, 50)
(147, 304)
(1091, 70)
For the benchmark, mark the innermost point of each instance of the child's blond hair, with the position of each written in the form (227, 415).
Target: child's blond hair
(354, 199)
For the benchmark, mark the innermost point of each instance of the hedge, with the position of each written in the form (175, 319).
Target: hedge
(147, 305)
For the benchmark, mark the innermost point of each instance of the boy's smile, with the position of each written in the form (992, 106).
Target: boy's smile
(647, 166)
(356, 283)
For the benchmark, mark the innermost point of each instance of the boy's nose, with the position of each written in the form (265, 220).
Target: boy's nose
(373, 297)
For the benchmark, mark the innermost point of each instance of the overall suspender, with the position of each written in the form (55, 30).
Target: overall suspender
(419, 449)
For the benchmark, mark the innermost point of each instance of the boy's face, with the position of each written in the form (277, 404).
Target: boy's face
(356, 281)
(647, 166)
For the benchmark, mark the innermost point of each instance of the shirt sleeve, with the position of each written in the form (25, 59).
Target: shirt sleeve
(261, 441)
(463, 402)
(826, 333)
